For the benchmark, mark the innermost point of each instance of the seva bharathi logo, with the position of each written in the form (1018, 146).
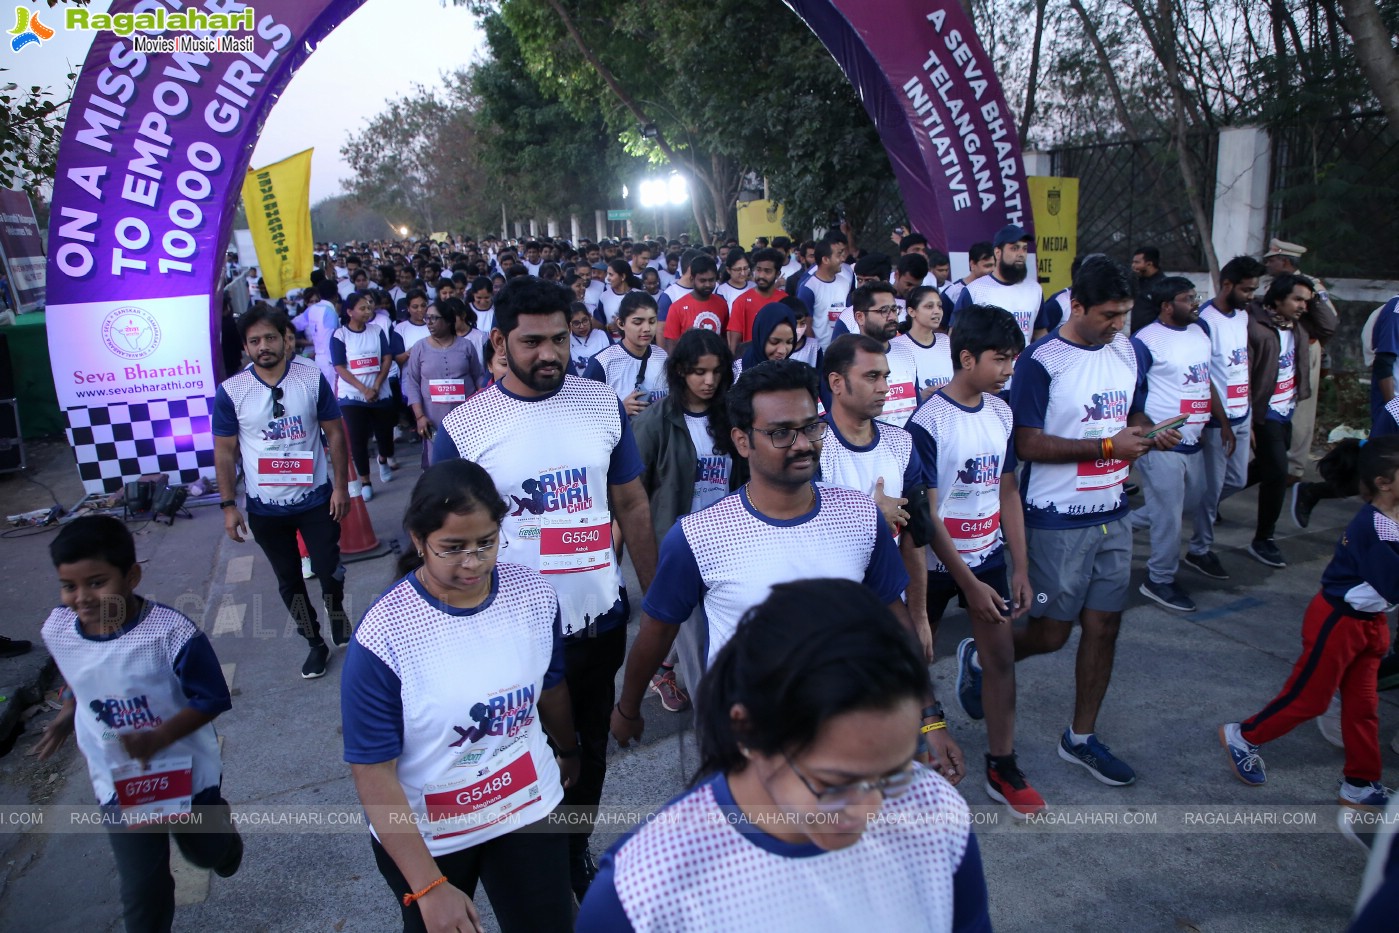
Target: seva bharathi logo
(28, 30)
(131, 333)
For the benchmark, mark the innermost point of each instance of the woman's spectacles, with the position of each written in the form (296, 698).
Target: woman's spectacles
(783, 438)
(277, 409)
(845, 795)
(464, 554)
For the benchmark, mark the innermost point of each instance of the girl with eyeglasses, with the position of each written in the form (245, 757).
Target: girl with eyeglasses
(442, 371)
(452, 694)
(809, 811)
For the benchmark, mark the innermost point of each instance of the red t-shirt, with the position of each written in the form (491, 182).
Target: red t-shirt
(710, 314)
(745, 309)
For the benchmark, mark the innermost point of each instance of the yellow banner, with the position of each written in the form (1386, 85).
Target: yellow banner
(1055, 205)
(277, 199)
(758, 218)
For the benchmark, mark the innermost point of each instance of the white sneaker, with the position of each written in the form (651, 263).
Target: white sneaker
(366, 492)
(385, 472)
(393, 463)
(1329, 723)
(306, 573)
(1394, 744)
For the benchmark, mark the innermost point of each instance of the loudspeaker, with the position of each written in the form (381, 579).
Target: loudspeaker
(11, 440)
(7, 369)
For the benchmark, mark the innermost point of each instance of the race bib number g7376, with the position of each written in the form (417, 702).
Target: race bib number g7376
(161, 792)
(575, 543)
(297, 468)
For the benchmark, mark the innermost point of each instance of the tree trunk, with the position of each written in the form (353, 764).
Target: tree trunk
(1119, 103)
(635, 108)
(1377, 56)
(1033, 83)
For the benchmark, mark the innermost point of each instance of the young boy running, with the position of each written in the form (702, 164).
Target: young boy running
(1345, 633)
(148, 685)
(963, 434)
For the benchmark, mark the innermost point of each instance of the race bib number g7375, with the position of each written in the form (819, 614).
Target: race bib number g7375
(161, 792)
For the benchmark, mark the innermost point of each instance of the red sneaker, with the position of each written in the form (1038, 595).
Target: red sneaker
(673, 698)
(1007, 785)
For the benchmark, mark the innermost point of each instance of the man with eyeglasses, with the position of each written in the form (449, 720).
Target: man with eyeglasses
(562, 454)
(877, 313)
(779, 527)
(272, 414)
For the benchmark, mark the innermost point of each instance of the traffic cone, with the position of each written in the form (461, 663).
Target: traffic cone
(357, 538)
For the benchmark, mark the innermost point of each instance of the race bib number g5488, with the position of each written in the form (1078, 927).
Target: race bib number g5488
(475, 800)
(161, 792)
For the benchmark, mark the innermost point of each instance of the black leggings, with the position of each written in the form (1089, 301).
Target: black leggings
(360, 421)
(1269, 471)
(526, 878)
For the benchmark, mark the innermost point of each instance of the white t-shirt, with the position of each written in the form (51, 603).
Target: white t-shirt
(932, 363)
(902, 399)
(712, 469)
(1228, 358)
(1022, 300)
(609, 303)
(410, 333)
(594, 294)
(965, 452)
(1079, 393)
(826, 301)
(1283, 401)
(451, 695)
(360, 353)
(616, 366)
(890, 457)
(581, 352)
(729, 293)
(1177, 365)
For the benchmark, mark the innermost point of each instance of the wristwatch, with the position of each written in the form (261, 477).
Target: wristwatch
(934, 711)
(228, 503)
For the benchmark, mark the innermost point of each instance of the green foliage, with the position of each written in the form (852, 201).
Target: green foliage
(31, 127)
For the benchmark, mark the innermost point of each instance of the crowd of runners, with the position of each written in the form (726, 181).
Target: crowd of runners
(807, 454)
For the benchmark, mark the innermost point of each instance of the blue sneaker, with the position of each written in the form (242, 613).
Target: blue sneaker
(1248, 767)
(1098, 759)
(968, 680)
(1373, 797)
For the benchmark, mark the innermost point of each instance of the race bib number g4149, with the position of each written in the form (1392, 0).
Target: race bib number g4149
(973, 534)
(161, 792)
(1101, 474)
(296, 468)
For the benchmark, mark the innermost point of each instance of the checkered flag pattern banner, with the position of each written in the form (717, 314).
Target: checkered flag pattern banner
(116, 443)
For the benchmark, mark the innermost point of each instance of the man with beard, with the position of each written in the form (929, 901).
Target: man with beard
(877, 317)
(1009, 285)
(767, 264)
(1225, 440)
(824, 291)
(729, 556)
(1146, 266)
(271, 416)
(981, 260)
(701, 308)
(561, 451)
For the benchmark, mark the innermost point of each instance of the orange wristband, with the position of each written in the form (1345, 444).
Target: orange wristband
(410, 898)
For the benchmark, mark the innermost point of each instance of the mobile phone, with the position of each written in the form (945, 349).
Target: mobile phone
(1170, 424)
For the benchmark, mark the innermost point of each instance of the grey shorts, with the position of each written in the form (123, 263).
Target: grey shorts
(1072, 569)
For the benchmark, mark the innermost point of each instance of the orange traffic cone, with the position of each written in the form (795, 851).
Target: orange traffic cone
(357, 538)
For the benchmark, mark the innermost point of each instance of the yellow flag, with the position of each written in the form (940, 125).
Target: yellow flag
(1054, 202)
(277, 199)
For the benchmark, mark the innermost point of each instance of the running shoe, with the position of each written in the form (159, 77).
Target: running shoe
(1168, 595)
(393, 462)
(306, 573)
(1304, 499)
(13, 647)
(1373, 796)
(366, 492)
(1207, 563)
(1243, 755)
(229, 866)
(1329, 723)
(673, 698)
(340, 630)
(315, 662)
(1267, 552)
(1006, 784)
(1098, 759)
(968, 680)
(581, 870)
(385, 472)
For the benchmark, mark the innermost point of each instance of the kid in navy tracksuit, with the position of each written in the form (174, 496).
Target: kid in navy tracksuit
(1345, 633)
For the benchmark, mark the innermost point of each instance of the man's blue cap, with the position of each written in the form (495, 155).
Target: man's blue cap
(1010, 233)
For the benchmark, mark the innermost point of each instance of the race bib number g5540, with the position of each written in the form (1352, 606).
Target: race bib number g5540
(161, 792)
(575, 543)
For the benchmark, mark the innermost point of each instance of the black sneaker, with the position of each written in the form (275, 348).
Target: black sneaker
(229, 866)
(1207, 563)
(1266, 552)
(13, 647)
(582, 870)
(1168, 595)
(340, 631)
(1304, 499)
(315, 661)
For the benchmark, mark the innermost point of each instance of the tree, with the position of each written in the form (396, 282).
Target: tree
(31, 127)
(1375, 52)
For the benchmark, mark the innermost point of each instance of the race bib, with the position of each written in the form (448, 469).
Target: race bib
(1194, 406)
(973, 534)
(1101, 474)
(363, 365)
(295, 468)
(482, 796)
(833, 314)
(1282, 395)
(161, 792)
(575, 543)
(446, 390)
(900, 403)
